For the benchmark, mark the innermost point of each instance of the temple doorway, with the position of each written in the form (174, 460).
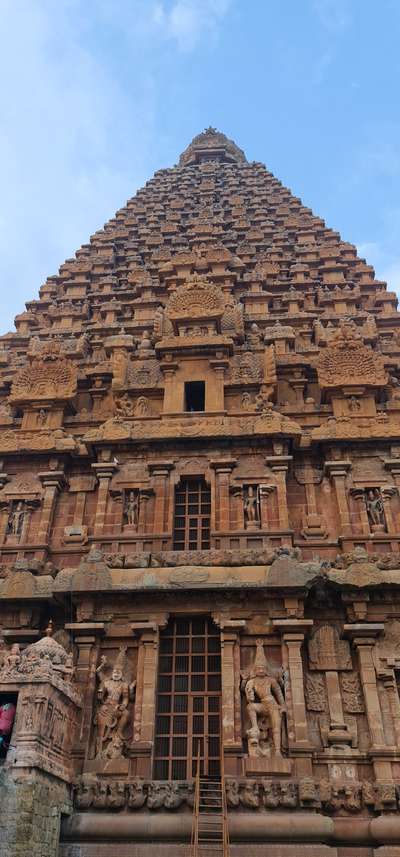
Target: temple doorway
(188, 718)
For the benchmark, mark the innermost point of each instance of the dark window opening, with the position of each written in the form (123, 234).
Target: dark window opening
(192, 515)
(188, 713)
(195, 396)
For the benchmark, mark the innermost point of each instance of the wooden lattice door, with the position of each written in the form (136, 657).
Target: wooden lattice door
(188, 700)
(192, 515)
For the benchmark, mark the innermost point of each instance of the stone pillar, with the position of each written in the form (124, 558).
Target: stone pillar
(4, 509)
(173, 397)
(87, 637)
(387, 493)
(52, 482)
(223, 470)
(363, 637)
(146, 688)
(390, 685)
(359, 496)
(104, 471)
(338, 471)
(293, 633)
(231, 701)
(279, 465)
(160, 471)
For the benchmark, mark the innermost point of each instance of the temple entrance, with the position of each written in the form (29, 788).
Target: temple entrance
(188, 714)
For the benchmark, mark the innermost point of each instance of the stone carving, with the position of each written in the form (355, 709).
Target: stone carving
(162, 324)
(16, 518)
(345, 795)
(246, 369)
(267, 422)
(315, 692)
(197, 298)
(352, 695)
(327, 652)
(112, 715)
(48, 376)
(348, 362)
(251, 507)
(124, 407)
(44, 659)
(375, 510)
(143, 373)
(210, 140)
(142, 407)
(250, 794)
(232, 321)
(131, 508)
(265, 707)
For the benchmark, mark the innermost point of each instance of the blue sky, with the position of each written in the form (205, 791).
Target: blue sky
(98, 94)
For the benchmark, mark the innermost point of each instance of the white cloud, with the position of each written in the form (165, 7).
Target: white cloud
(187, 22)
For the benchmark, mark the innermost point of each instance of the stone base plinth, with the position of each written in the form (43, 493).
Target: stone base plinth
(254, 765)
(102, 766)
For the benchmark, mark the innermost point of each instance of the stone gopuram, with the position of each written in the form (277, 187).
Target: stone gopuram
(199, 531)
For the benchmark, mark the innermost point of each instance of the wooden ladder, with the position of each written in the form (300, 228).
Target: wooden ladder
(210, 835)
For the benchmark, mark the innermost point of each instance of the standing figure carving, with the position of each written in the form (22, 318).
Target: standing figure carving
(16, 519)
(265, 705)
(375, 509)
(251, 507)
(131, 510)
(112, 717)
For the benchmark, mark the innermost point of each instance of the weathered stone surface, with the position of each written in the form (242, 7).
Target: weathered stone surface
(200, 496)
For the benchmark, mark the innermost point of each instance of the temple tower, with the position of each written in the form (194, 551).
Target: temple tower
(199, 531)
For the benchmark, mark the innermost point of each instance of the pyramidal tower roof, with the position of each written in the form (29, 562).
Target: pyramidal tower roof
(214, 203)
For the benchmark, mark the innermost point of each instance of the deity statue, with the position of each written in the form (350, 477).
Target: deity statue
(251, 507)
(246, 401)
(12, 659)
(41, 418)
(112, 717)
(16, 519)
(265, 706)
(142, 407)
(131, 510)
(263, 405)
(375, 508)
(124, 406)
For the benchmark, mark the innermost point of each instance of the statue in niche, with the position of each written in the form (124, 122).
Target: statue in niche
(354, 404)
(142, 408)
(265, 706)
(16, 518)
(131, 509)
(41, 418)
(263, 406)
(246, 402)
(375, 509)
(124, 407)
(112, 716)
(251, 507)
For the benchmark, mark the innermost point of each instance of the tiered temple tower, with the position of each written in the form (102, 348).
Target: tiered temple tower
(199, 531)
